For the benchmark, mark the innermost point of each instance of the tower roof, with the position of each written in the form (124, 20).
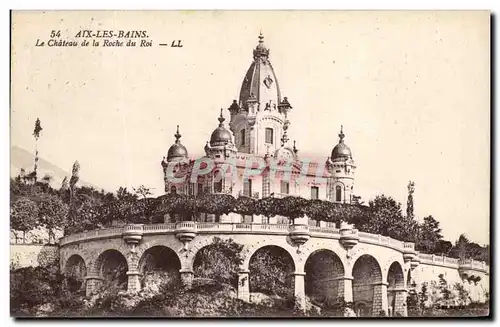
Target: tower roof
(341, 151)
(221, 135)
(260, 83)
(177, 150)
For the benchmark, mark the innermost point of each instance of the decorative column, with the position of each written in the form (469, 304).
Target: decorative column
(244, 285)
(134, 281)
(187, 276)
(93, 284)
(345, 288)
(300, 293)
(400, 295)
(380, 302)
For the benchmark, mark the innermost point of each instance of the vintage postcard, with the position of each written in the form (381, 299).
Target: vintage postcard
(250, 164)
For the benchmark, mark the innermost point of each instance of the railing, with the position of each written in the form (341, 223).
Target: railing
(159, 227)
(425, 256)
(185, 224)
(298, 227)
(472, 264)
(132, 228)
(368, 236)
(324, 230)
(451, 260)
(254, 195)
(409, 246)
(275, 228)
(281, 195)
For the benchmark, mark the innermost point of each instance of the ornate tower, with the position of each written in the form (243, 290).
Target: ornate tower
(174, 163)
(221, 146)
(258, 118)
(342, 168)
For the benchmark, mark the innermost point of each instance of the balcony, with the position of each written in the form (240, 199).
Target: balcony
(409, 252)
(132, 234)
(349, 236)
(471, 268)
(299, 234)
(185, 231)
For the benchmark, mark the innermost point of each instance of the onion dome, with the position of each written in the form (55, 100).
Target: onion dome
(260, 84)
(177, 150)
(221, 135)
(341, 151)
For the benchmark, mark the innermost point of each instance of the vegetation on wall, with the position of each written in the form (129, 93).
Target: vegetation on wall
(75, 209)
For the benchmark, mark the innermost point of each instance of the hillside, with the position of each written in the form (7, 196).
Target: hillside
(21, 158)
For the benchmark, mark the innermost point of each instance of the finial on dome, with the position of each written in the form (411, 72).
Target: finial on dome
(261, 50)
(341, 135)
(177, 135)
(221, 119)
(295, 150)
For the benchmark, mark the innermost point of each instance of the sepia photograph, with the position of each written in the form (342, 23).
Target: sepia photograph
(244, 164)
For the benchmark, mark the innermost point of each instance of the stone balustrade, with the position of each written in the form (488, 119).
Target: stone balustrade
(347, 235)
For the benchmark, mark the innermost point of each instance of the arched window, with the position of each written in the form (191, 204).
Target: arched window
(338, 193)
(173, 190)
(269, 135)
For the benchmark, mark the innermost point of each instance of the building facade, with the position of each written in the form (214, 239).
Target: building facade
(256, 134)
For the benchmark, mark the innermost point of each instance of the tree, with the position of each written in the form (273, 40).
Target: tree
(429, 235)
(219, 261)
(292, 207)
(64, 184)
(461, 248)
(384, 212)
(88, 213)
(144, 192)
(412, 301)
(36, 135)
(443, 247)
(463, 294)
(23, 215)
(423, 297)
(218, 204)
(409, 206)
(444, 289)
(318, 210)
(52, 213)
(269, 207)
(269, 272)
(244, 205)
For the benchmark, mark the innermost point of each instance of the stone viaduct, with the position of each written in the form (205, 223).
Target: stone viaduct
(372, 271)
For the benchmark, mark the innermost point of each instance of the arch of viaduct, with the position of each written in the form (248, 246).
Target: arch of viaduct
(370, 270)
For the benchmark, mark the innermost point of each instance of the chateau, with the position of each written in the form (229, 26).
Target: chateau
(257, 132)
(250, 154)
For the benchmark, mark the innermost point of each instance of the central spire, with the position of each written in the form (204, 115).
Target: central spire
(261, 50)
(260, 84)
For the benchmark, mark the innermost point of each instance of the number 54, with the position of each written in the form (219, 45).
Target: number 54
(55, 34)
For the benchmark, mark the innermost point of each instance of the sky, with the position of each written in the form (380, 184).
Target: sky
(411, 89)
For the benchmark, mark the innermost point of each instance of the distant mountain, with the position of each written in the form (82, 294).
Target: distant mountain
(21, 158)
